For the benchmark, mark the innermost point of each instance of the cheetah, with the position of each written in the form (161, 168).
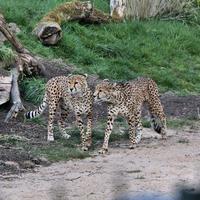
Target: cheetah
(67, 93)
(126, 99)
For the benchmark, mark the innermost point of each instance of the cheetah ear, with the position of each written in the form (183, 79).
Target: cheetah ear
(85, 75)
(114, 84)
(105, 80)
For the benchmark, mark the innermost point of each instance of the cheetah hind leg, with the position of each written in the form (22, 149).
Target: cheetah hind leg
(61, 121)
(63, 131)
(88, 135)
(50, 137)
(138, 133)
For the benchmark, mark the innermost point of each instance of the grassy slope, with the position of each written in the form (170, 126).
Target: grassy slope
(166, 51)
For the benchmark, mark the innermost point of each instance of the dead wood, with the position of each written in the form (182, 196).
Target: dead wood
(24, 62)
(15, 96)
(49, 31)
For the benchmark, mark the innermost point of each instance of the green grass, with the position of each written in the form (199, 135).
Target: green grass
(182, 122)
(57, 153)
(33, 89)
(6, 55)
(174, 123)
(6, 139)
(167, 51)
(62, 149)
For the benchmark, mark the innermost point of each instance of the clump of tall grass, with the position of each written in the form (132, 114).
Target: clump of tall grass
(6, 55)
(33, 89)
(142, 9)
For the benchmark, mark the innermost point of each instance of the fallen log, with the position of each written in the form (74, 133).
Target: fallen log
(49, 31)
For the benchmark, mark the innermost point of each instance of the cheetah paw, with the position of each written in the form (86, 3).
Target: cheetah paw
(50, 138)
(103, 151)
(88, 144)
(164, 137)
(66, 136)
(132, 146)
(137, 140)
(84, 148)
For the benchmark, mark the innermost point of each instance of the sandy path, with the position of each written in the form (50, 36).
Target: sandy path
(155, 166)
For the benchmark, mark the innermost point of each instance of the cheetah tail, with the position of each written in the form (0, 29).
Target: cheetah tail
(156, 124)
(158, 120)
(37, 112)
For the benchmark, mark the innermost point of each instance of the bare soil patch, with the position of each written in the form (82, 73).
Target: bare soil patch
(154, 166)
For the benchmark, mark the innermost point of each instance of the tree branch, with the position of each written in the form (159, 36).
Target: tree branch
(24, 62)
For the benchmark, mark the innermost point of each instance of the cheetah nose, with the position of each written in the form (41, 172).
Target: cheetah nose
(71, 89)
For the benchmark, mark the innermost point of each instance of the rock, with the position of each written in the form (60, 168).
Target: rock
(9, 166)
(44, 161)
(27, 164)
(2, 38)
(12, 164)
(41, 161)
(5, 88)
(13, 28)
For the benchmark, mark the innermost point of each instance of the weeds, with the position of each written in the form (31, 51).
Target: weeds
(180, 123)
(6, 55)
(33, 89)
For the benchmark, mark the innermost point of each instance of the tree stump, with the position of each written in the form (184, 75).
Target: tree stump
(117, 8)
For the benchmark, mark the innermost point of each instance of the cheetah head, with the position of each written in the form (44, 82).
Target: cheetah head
(77, 84)
(105, 91)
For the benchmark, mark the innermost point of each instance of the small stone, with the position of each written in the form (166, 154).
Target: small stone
(41, 161)
(27, 164)
(11, 166)
(44, 161)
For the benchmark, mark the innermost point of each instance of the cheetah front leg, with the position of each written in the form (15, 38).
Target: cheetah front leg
(132, 134)
(135, 129)
(52, 111)
(61, 122)
(81, 128)
(88, 134)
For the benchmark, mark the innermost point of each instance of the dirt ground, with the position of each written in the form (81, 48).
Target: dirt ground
(154, 166)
